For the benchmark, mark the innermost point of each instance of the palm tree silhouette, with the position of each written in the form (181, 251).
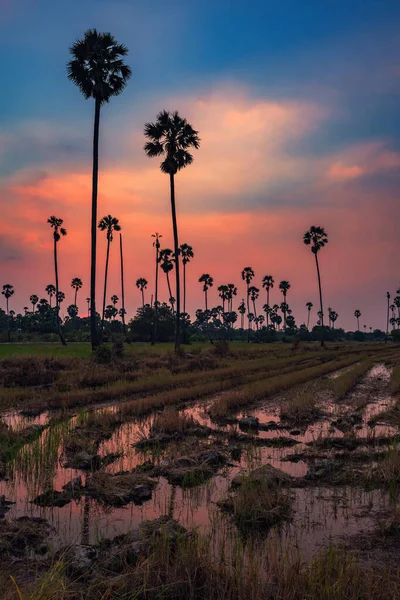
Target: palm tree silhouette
(254, 294)
(171, 136)
(141, 284)
(317, 238)
(108, 224)
(207, 282)
(247, 276)
(309, 307)
(88, 305)
(34, 300)
(51, 291)
(156, 245)
(76, 285)
(333, 316)
(8, 291)
(396, 302)
(284, 286)
(232, 291)
(393, 310)
(58, 231)
(122, 310)
(186, 253)
(268, 284)
(223, 294)
(114, 299)
(98, 70)
(357, 315)
(242, 311)
(387, 318)
(165, 259)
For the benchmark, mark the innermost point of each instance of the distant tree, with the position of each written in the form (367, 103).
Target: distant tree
(172, 137)
(51, 291)
(141, 284)
(357, 315)
(60, 297)
(333, 317)
(254, 294)
(76, 285)
(284, 287)
(309, 307)
(72, 311)
(223, 292)
(393, 310)
(232, 291)
(207, 282)
(108, 224)
(165, 259)
(8, 291)
(187, 254)
(34, 300)
(317, 238)
(247, 276)
(156, 245)
(98, 70)
(114, 299)
(387, 318)
(242, 311)
(58, 232)
(396, 302)
(111, 312)
(268, 284)
(26, 309)
(88, 305)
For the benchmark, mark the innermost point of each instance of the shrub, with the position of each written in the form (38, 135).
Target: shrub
(221, 348)
(102, 355)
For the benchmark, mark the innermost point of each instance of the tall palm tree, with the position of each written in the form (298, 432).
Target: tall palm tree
(58, 232)
(98, 70)
(122, 310)
(387, 318)
(141, 284)
(165, 259)
(51, 291)
(284, 286)
(309, 307)
(254, 294)
(247, 276)
(268, 284)
(207, 282)
(76, 285)
(333, 316)
(8, 291)
(242, 311)
(186, 253)
(34, 300)
(156, 245)
(171, 137)
(396, 302)
(114, 299)
(317, 238)
(108, 224)
(357, 315)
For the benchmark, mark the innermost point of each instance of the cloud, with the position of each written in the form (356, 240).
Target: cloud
(361, 160)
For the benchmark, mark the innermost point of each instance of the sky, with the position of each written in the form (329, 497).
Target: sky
(297, 105)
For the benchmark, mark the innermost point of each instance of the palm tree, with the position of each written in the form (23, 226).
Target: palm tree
(309, 307)
(51, 291)
(98, 70)
(232, 291)
(357, 315)
(317, 238)
(284, 286)
(26, 309)
(60, 297)
(247, 276)
(207, 282)
(114, 299)
(156, 245)
(387, 318)
(72, 311)
(108, 224)
(76, 285)
(34, 300)
(254, 294)
(186, 253)
(88, 305)
(242, 311)
(122, 310)
(58, 231)
(8, 291)
(396, 302)
(141, 284)
(165, 259)
(171, 137)
(268, 284)
(393, 309)
(333, 316)
(223, 294)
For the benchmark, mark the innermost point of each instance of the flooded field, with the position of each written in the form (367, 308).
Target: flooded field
(280, 457)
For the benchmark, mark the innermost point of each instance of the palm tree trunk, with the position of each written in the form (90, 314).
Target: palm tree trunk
(176, 249)
(105, 282)
(308, 320)
(358, 324)
(268, 306)
(122, 284)
(62, 340)
(76, 294)
(184, 287)
(170, 291)
(387, 320)
(205, 294)
(320, 300)
(93, 324)
(8, 323)
(153, 341)
(142, 297)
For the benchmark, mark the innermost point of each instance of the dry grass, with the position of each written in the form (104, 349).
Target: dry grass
(343, 384)
(172, 421)
(302, 407)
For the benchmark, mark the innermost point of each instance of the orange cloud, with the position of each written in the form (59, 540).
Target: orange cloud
(363, 159)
